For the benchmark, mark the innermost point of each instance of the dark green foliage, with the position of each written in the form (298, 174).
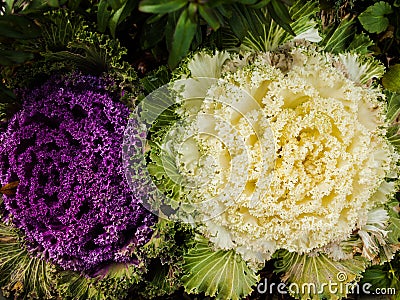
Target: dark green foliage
(166, 249)
(374, 19)
(385, 276)
(265, 35)
(15, 34)
(391, 80)
(59, 29)
(379, 20)
(8, 102)
(188, 23)
(156, 79)
(66, 43)
(339, 37)
(111, 13)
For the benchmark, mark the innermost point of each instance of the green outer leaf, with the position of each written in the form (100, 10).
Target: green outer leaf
(164, 280)
(23, 275)
(209, 15)
(320, 271)
(376, 276)
(360, 44)
(391, 79)
(373, 18)
(166, 247)
(268, 36)
(103, 15)
(393, 110)
(72, 284)
(12, 57)
(113, 284)
(280, 13)
(222, 274)
(337, 39)
(161, 7)
(9, 6)
(373, 69)
(393, 136)
(18, 27)
(260, 4)
(394, 223)
(384, 276)
(156, 79)
(303, 15)
(166, 176)
(115, 20)
(182, 39)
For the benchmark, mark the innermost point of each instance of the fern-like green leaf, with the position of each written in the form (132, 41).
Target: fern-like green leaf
(315, 276)
(222, 274)
(60, 29)
(22, 275)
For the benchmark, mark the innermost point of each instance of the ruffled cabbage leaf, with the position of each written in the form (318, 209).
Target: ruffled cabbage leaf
(220, 274)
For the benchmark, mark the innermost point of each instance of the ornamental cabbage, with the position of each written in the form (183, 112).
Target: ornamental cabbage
(65, 149)
(283, 150)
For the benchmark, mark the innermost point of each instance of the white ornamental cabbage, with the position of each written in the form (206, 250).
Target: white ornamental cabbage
(282, 151)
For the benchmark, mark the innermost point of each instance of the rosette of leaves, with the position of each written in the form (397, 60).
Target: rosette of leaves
(81, 228)
(230, 241)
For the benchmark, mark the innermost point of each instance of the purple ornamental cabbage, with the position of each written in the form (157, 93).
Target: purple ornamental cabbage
(72, 202)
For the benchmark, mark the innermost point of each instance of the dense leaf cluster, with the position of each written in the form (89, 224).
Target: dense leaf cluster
(64, 149)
